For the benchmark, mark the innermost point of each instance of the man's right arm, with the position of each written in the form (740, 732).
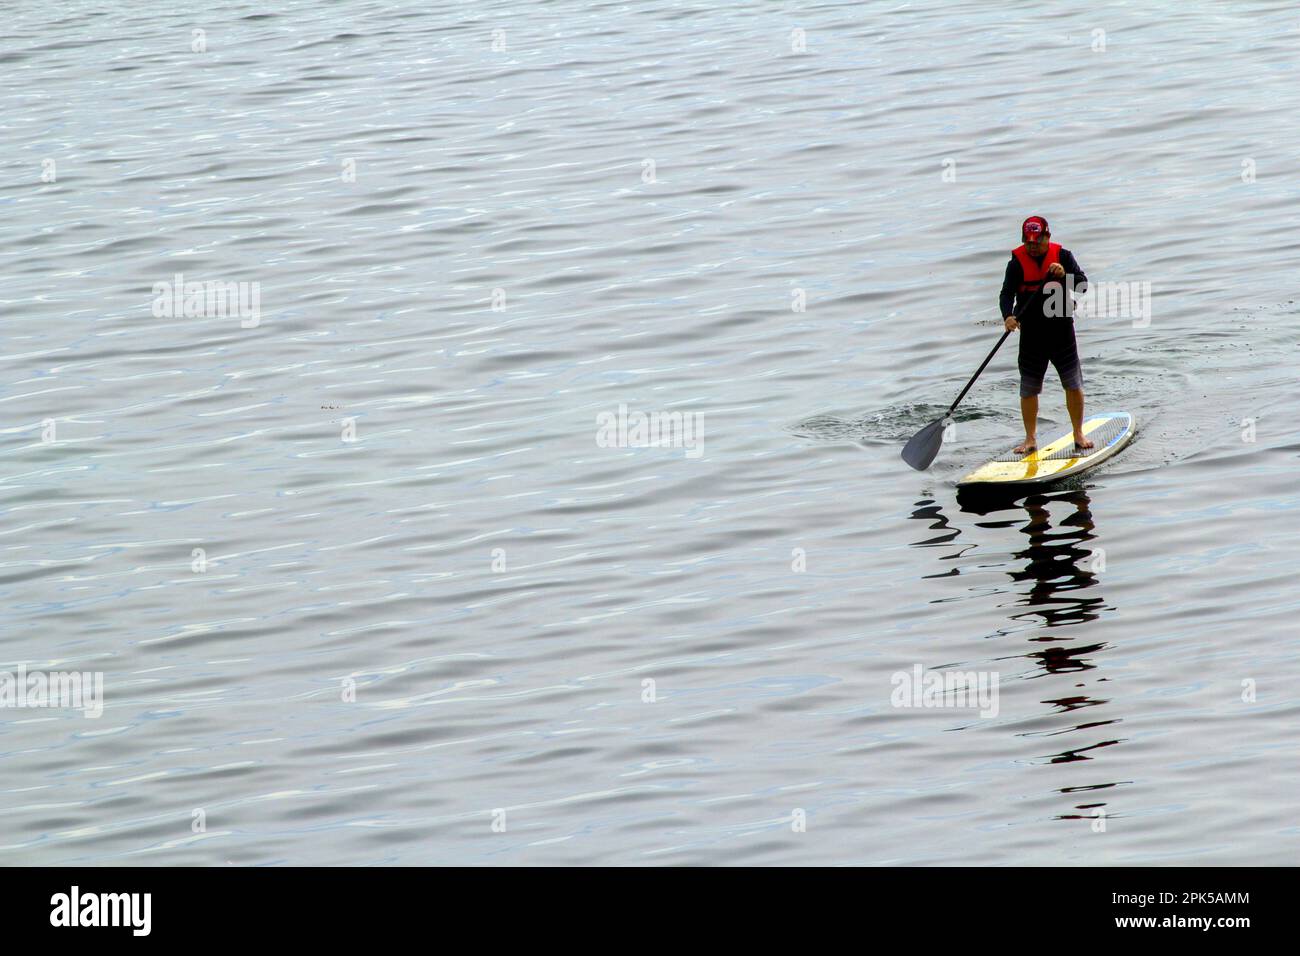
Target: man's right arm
(1010, 285)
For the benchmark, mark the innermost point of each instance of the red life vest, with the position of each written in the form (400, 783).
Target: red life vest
(1035, 273)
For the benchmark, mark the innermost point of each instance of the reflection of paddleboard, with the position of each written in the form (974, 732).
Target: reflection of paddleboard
(1109, 431)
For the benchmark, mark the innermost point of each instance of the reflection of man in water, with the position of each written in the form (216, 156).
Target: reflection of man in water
(1058, 562)
(1044, 337)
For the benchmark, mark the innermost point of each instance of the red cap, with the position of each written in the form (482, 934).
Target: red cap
(1032, 227)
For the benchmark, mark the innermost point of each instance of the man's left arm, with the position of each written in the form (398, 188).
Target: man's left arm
(1072, 268)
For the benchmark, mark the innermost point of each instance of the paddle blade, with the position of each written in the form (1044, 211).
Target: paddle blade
(925, 444)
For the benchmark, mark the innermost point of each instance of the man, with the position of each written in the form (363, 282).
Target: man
(1046, 327)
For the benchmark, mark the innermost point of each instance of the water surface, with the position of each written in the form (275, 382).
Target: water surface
(494, 587)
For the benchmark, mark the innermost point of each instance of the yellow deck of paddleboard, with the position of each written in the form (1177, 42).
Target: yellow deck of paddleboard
(1040, 465)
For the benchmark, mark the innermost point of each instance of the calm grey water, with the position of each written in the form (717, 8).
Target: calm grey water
(476, 227)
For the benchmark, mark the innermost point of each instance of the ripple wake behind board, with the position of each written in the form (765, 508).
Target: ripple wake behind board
(1109, 431)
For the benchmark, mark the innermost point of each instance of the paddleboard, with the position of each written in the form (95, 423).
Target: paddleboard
(1109, 431)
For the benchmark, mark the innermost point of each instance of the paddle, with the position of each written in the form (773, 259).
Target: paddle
(919, 452)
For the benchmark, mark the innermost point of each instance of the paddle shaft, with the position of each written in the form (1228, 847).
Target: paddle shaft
(989, 358)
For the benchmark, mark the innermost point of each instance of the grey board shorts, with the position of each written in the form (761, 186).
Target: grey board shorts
(1054, 345)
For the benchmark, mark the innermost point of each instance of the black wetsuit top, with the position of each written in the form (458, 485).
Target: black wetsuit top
(1033, 320)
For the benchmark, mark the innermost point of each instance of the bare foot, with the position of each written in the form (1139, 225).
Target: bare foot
(1082, 441)
(1025, 447)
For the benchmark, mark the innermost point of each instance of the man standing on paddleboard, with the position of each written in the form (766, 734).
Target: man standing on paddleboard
(1046, 327)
